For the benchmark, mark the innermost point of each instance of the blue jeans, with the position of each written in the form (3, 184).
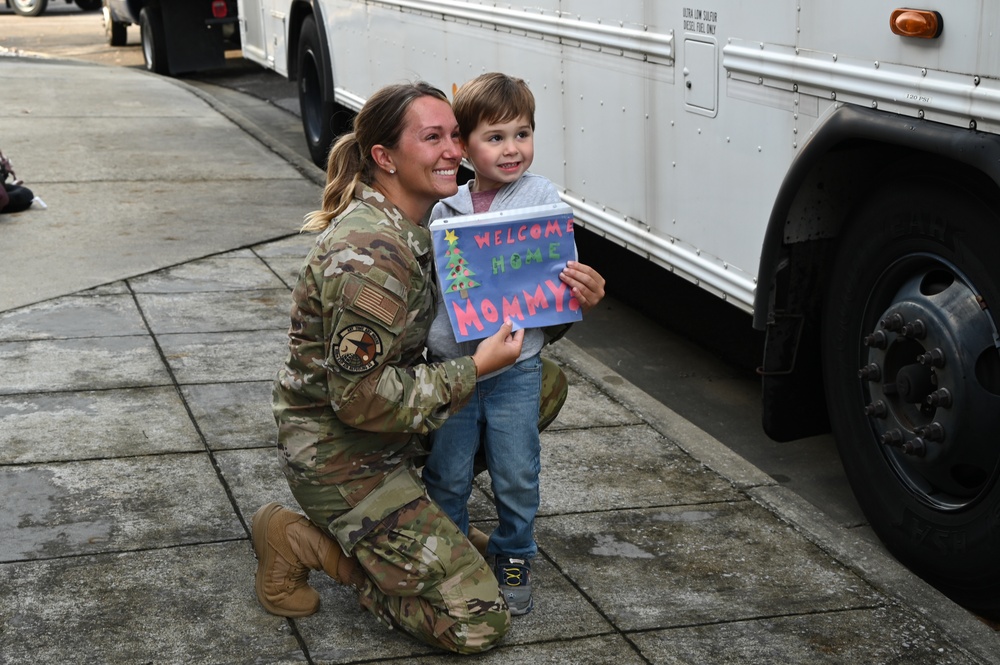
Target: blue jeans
(502, 415)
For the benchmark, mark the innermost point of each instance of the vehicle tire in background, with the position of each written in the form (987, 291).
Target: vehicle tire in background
(318, 113)
(154, 43)
(912, 376)
(115, 32)
(29, 7)
(89, 5)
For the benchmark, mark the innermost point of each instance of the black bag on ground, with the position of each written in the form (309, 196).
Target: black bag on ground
(15, 196)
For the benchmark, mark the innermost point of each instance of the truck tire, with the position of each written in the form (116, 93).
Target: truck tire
(115, 32)
(29, 7)
(912, 375)
(89, 5)
(154, 43)
(317, 111)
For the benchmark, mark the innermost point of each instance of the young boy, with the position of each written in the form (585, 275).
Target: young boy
(496, 118)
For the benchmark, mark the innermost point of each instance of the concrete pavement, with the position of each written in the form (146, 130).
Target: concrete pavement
(142, 317)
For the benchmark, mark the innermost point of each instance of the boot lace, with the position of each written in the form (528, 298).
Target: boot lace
(298, 575)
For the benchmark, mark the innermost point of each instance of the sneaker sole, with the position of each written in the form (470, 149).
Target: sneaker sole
(518, 611)
(265, 558)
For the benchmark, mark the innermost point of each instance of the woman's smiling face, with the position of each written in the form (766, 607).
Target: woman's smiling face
(428, 154)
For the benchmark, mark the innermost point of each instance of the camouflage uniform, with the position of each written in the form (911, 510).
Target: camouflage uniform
(351, 404)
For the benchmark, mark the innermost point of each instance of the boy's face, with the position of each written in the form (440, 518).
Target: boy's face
(500, 152)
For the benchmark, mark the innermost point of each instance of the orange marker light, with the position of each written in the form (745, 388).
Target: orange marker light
(916, 23)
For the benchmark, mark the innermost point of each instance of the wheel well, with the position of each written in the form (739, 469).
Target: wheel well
(837, 184)
(814, 208)
(298, 13)
(296, 16)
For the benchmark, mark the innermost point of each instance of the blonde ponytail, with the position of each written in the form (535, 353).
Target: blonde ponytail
(343, 173)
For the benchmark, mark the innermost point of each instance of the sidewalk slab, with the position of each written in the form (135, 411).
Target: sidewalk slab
(81, 363)
(113, 505)
(250, 355)
(233, 415)
(169, 605)
(88, 315)
(65, 426)
(586, 469)
(701, 564)
(852, 636)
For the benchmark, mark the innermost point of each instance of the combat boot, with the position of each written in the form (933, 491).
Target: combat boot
(288, 546)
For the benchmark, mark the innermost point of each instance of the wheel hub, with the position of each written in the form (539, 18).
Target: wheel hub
(929, 381)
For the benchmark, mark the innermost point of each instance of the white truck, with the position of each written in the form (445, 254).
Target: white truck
(831, 167)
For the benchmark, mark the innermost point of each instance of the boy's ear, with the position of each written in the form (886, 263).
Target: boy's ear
(465, 148)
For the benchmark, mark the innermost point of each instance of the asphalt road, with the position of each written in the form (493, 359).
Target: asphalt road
(687, 349)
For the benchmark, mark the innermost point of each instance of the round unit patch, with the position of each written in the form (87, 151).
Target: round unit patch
(358, 348)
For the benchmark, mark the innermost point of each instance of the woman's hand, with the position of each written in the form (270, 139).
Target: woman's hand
(586, 283)
(499, 350)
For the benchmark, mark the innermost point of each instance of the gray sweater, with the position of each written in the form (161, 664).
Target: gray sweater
(528, 190)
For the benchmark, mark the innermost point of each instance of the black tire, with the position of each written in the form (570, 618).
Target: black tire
(154, 43)
(115, 32)
(907, 316)
(89, 5)
(320, 119)
(29, 7)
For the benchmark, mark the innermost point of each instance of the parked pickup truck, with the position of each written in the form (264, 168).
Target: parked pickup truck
(178, 36)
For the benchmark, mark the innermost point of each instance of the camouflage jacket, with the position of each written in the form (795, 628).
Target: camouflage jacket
(355, 391)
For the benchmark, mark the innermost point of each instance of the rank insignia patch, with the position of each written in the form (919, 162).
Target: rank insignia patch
(358, 348)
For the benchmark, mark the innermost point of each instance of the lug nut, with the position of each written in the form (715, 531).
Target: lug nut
(940, 397)
(892, 438)
(877, 339)
(933, 432)
(915, 446)
(877, 409)
(870, 372)
(915, 329)
(934, 358)
(892, 322)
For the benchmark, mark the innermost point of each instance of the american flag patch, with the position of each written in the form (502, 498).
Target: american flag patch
(378, 305)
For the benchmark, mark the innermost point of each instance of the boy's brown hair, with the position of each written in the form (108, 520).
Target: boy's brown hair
(491, 98)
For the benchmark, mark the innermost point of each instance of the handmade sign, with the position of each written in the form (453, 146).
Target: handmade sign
(505, 264)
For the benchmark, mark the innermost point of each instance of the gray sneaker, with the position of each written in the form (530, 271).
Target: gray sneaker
(514, 575)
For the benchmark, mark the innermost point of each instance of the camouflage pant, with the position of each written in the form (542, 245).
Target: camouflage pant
(555, 388)
(426, 578)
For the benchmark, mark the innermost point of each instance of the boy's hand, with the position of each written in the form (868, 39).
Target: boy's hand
(586, 283)
(499, 350)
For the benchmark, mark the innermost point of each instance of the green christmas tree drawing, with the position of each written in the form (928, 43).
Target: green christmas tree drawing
(459, 272)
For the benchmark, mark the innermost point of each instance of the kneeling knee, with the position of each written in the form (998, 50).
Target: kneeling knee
(481, 632)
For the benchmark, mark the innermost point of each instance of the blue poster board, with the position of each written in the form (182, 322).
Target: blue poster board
(505, 264)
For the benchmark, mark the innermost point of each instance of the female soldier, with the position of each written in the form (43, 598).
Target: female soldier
(356, 393)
